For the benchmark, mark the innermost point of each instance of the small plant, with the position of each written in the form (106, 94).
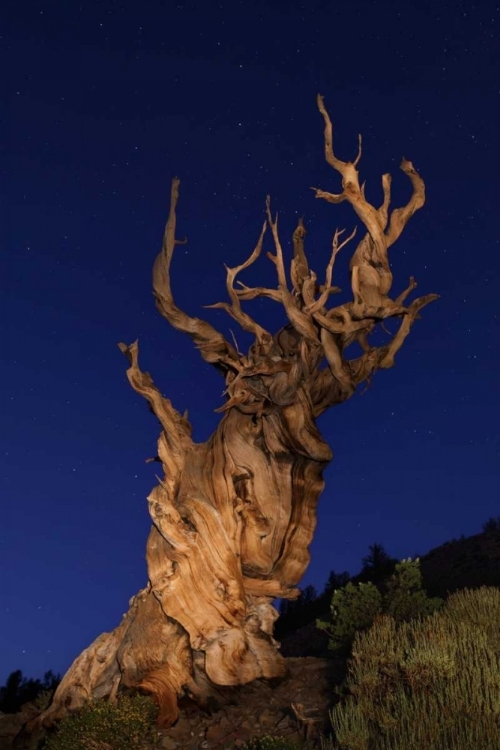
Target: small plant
(43, 699)
(270, 743)
(128, 724)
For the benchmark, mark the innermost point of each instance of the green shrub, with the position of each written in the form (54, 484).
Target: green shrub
(426, 684)
(404, 597)
(270, 743)
(128, 724)
(354, 608)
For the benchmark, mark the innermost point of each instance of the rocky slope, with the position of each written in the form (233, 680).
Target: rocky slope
(296, 708)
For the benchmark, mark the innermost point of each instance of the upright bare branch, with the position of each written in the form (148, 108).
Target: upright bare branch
(297, 318)
(299, 267)
(176, 436)
(318, 304)
(212, 345)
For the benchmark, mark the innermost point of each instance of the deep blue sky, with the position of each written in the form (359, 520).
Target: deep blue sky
(103, 102)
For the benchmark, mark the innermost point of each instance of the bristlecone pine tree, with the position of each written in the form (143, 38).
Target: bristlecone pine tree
(233, 517)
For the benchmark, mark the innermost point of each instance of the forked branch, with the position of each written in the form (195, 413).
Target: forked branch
(371, 276)
(234, 309)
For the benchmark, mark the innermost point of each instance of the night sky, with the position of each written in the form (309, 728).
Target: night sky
(103, 103)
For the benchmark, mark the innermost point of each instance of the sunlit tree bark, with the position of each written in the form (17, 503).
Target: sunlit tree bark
(233, 517)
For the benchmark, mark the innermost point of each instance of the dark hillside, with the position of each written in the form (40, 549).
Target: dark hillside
(463, 563)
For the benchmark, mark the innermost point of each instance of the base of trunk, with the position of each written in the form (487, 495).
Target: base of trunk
(151, 652)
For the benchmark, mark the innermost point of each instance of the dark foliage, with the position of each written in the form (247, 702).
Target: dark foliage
(492, 524)
(469, 562)
(354, 608)
(377, 566)
(308, 607)
(19, 690)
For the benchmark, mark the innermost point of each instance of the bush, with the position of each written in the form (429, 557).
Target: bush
(404, 597)
(354, 608)
(128, 724)
(432, 682)
(480, 608)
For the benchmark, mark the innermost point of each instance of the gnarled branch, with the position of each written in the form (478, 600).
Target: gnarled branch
(212, 345)
(371, 276)
(318, 304)
(234, 309)
(175, 439)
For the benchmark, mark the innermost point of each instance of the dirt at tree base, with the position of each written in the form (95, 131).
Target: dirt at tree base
(260, 709)
(245, 712)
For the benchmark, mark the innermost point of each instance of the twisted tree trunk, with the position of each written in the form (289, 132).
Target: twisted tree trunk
(233, 518)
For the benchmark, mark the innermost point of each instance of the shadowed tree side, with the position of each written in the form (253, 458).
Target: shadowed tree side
(233, 517)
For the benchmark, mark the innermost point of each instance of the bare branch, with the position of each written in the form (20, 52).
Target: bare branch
(383, 357)
(278, 258)
(234, 309)
(404, 294)
(176, 436)
(360, 151)
(328, 135)
(401, 216)
(404, 329)
(336, 248)
(329, 197)
(248, 293)
(383, 211)
(371, 276)
(333, 356)
(297, 318)
(299, 267)
(213, 346)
